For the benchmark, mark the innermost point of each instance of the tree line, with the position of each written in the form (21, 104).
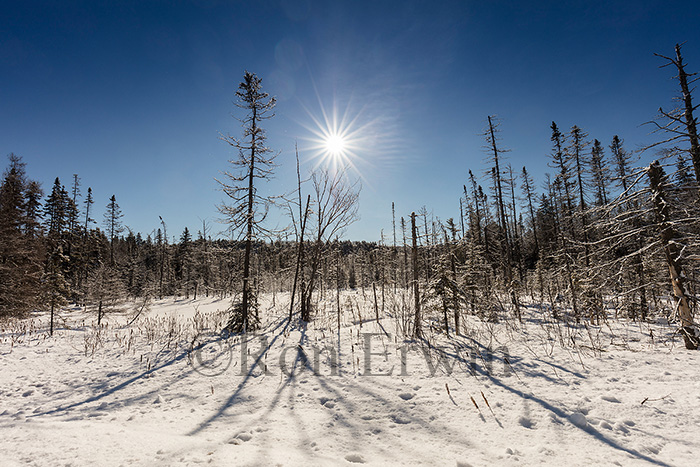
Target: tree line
(602, 237)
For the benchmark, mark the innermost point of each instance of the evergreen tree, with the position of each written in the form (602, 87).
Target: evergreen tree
(683, 176)
(20, 245)
(33, 195)
(56, 288)
(600, 174)
(56, 210)
(622, 159)
(72, 210)
(184, 261)
(113, 225)
(88, 204)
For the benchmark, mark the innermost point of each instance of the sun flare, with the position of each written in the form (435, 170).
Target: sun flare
(337, 139)
(335, 144)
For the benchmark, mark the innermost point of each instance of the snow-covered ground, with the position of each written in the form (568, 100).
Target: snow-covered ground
(166, 391)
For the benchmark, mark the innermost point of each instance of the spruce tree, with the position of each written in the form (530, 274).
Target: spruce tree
(56, 210)
(113, 225)
(600, 173)
(20, 243)
(622, 160)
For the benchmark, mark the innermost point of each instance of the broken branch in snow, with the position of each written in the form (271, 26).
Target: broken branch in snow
(646, 399)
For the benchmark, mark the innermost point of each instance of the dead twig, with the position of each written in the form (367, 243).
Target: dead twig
(646, 399)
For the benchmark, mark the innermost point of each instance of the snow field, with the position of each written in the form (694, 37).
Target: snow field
(503, 394)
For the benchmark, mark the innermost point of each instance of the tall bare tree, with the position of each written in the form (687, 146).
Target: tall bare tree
(528, 195)
(495, 154)
(247, 209)
(681, 123)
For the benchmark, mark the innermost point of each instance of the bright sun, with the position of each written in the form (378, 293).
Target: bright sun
(337, 139)
(335, 144)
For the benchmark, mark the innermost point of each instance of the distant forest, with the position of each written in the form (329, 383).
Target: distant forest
(602, 239)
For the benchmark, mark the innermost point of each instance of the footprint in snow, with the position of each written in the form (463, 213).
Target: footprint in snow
(400, 419)
(610, 399)
(327, 402)
(622, 426)
(406, 396)
(241, 437)
(606, 425)
(526, 422)
(654, 448)
(355, 458)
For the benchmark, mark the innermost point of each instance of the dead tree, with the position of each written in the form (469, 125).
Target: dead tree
(673, 254)
(417, 330)
(335, 204)
(247, 209)
(681, 123)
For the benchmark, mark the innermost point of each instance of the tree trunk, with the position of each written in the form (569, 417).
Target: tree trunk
(688, 113)
(249, 231)
(417, 331)
(337, 284)
(455, 298)
(673, 254)
(507, 253)
(300, 260)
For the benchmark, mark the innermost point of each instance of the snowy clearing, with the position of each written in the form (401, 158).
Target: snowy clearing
(168, 391)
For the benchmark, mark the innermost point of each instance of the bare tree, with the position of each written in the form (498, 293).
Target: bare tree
(247, 209)
(673, 254)
(417, 329)
(335, 200)
(680, 123)
(528, 195)
(495, 153)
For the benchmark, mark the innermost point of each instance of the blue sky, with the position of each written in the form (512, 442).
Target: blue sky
(132, 95)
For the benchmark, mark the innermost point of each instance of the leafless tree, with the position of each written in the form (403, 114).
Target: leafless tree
(335, 203)
(680, 123)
